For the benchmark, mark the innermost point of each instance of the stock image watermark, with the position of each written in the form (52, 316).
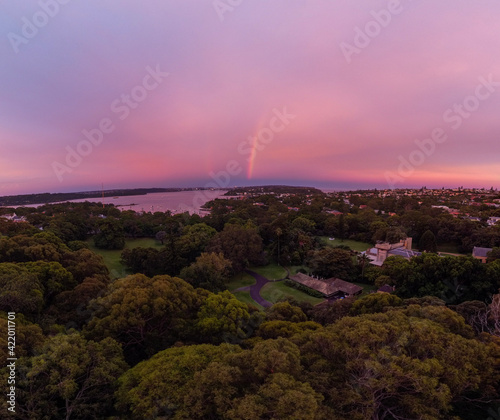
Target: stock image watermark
(364, 35)
(454, 118)
(122, 108)
(222, 7)
(11, 361)
(248, 148)
(31, 26)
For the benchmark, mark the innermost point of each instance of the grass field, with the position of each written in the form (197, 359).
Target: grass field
(112, 257)
(240, 280)
(276, 291)
(367, 288)
(355, 245)
(270, 271)
(245, 298)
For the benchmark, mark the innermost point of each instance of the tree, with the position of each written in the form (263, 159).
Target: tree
(332, 262)
(84, 263)
(194, 240)
(43, 246)
(303, 224)
(330, 312)
(222, 317)
(341, 227)
(376, 302)
(379, 230)
(72, 378)
(147, 261)
(283, 311)
(70, 308)
(145, 314)
(280, 397)
(160, 236)
(278, 233)
(242, 245)
(20, 290)
(210, 271)
(53, 276)
(454, 279)
(403, 367)
(29, 337)
(493, 255)
(427, 242)
(363, 260)
(382, 281)
(110, 234)
(284, 329)
(171, 373)
(394, 235)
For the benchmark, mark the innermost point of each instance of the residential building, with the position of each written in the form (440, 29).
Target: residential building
(481, 253)
(379, 253)
(330, 288)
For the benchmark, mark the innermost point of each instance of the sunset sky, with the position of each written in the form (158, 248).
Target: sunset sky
(339, 91)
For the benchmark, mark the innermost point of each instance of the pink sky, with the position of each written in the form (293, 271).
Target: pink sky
(353, 123)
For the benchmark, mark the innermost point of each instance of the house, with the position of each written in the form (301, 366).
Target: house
(334, 212)
(14, 218)
(493, 220)
(381, 251)
(481, 253)
(330, 288)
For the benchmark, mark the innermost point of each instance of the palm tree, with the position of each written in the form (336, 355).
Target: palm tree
(278, 232)
(362, 261)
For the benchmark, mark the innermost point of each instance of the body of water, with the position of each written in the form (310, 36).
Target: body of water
(176, 202)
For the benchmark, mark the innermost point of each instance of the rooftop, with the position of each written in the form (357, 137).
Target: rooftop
(327, 287)
(480, 252)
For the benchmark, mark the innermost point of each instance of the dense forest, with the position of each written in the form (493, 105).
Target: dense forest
(165, 338)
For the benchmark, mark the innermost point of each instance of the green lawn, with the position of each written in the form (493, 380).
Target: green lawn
(367, 288)
(240, 280)
(271, 271)
(276, 291)
(355, 245)
(245, 298)
(112, 257)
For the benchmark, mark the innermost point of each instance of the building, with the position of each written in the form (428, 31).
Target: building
(334, 212)
(14, 218)
(379, 253)
(481, 253)
(330, 288)
(493, 221)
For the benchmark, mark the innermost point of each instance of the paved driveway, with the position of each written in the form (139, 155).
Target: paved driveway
(260, 281)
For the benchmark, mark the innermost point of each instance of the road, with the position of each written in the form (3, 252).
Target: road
(260, 281)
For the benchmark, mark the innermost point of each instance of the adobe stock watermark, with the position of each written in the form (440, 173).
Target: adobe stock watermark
(122, 108)
(222, 7)
(454, 117)
(30, 27)
(373, 28)
(248, 148)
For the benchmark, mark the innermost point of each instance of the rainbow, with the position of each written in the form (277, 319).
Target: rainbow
(253, 153)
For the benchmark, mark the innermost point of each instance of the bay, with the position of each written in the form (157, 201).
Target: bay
(176, 202)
